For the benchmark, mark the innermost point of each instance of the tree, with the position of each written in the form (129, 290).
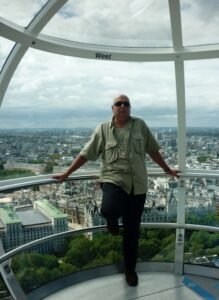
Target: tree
(28, 278)
(15, 173)
(148, 248)
(49, 167)
(202, 158)
(80, 252)
(67, 268)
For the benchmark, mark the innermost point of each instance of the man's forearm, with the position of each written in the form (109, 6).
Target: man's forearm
(158, 159)
(76, 164)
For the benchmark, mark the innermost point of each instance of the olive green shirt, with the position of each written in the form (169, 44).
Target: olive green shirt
(122, 159)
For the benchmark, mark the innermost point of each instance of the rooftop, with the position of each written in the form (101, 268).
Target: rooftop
(41, 215)
(32, 217)
(49, 209)
(8, 215)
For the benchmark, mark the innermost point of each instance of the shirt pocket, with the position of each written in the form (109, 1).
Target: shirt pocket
(138, 142)
(110, 152)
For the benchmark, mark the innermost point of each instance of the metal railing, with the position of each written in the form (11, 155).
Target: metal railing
(13, 184)
(16, 184)
(15, 288)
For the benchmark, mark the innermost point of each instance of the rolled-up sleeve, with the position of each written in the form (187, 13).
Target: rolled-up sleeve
(93, 147)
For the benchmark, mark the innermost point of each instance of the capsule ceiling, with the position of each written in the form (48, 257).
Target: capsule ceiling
(131, 23)
(174, 36)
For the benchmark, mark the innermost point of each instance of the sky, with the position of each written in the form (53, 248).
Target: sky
(55, 91)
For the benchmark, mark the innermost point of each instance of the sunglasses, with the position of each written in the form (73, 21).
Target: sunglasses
(120, 103)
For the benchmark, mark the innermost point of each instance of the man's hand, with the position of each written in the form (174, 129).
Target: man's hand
(60, 177)
(76, 164)
(172, 172)
(157, 157)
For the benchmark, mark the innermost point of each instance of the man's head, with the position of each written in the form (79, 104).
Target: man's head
(121, 108)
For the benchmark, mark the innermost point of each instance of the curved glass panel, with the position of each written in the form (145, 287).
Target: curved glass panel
(78, 203)
(81, 201)
(202, 89)
(61, 257)
(75, 93)
(72, 93)
(200, 22)
(32, 213)
(157, 245)
(20, 12)
(201, 248)
(3, 289)
(202, 148)
(5, 48)
(161, 201)
(202, 201)
(131, 23)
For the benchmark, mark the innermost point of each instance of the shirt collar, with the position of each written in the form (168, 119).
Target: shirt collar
(112, 121)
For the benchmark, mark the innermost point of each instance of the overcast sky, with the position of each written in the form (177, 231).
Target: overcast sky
(50, 91)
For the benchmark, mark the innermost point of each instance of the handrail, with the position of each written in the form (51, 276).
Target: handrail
(14, 184)
(68, 233)
(19, 183)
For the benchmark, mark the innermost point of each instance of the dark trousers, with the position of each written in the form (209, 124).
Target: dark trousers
(117, 203)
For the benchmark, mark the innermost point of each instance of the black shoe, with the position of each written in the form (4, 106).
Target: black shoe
(113, 226)
(131, 278)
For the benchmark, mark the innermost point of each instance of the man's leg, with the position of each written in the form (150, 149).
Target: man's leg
(133, 208)
(111, 208)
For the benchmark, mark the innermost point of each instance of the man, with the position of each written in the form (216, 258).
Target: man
(122, 144)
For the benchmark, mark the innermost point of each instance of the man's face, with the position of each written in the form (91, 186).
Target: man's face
(121, 108)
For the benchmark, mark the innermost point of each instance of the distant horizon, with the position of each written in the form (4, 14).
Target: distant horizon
(91, 127)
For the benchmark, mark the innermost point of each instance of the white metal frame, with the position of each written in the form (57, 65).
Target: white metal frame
(14, 58)
(61, 283)
(31, 37)
(176, 26)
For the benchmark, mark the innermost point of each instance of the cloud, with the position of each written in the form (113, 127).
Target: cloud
(200, 22)
(20, 12)
(52, 87)
(99, 22)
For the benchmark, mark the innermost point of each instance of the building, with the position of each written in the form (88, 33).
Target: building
(18, 227)
(36, 168)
